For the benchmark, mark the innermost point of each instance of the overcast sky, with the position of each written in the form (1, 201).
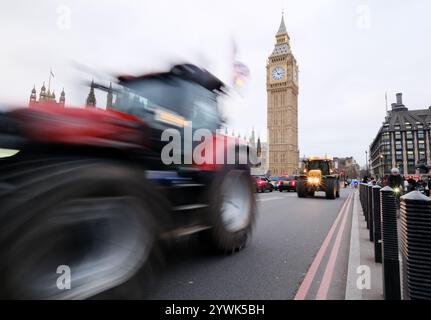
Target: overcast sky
(350, 52)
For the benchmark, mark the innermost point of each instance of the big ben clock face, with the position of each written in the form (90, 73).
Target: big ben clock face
(278, 73)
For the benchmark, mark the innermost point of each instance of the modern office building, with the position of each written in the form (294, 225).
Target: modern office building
(402, 141)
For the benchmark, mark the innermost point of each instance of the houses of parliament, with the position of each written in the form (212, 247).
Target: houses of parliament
(46, 96)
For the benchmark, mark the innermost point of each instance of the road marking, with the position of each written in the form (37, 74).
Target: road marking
(322, 293)
(306, 284)
(269, 199)
(352, 292)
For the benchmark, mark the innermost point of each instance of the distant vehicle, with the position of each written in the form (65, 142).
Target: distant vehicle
(318, 175)
(288, 184)
(262, 184)
(275, 181)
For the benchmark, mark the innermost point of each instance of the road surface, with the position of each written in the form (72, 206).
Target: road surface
(285, 249)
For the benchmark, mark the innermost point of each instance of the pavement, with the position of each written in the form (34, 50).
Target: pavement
(299, 250)
(365, 278)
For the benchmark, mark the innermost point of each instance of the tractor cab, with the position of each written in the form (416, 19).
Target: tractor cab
(318, 175)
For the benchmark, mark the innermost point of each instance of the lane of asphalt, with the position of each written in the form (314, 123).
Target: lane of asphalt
(288, 236)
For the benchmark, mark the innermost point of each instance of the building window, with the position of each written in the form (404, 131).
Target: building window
(408, 126)
(422, 156)
(386, 148)
(386, 138)
(398, 135)
(399, 156)
(411, 167)
(409, 135)
(410, 155)
(420, 126)
(421, 134)
(410, 145)
(421, 145)
(397, 127)
(398, 145)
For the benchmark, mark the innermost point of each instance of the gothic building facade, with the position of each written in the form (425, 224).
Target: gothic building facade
(91, 101)
(46, 96)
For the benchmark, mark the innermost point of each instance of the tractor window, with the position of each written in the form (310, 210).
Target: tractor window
(188, 99)
(319, 165)
(168, 93)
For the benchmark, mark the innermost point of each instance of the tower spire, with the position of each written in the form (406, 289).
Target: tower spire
(282, 43)
(42, 94)
(253, 138)
(33, 95)
(62, 97)
(282, 29)
(91, 98)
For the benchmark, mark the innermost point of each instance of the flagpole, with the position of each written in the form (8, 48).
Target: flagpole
(49, 81)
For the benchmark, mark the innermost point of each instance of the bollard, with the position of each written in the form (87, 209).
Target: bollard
(390, 252)
(377, 225)
(415, 246)
(370, 222)
(363, 196)
(366, 203)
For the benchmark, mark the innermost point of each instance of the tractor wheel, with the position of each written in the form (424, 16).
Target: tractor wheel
(301, 189)
(92, 219)
(232, 211)
(331, 189)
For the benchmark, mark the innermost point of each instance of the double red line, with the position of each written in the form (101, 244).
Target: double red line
(322, 292)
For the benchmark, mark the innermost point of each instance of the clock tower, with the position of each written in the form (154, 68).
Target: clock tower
(282, 110)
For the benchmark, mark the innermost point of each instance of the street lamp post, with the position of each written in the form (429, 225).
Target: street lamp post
(366, 159)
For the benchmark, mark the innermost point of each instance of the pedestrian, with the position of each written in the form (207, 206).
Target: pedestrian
(406, 184)
(395, 180)
(420, 186)
(412, 184)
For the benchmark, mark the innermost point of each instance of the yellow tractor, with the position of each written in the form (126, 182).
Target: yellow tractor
(318, 175)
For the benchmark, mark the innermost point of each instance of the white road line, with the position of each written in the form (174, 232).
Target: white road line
(270, 199)
(352, 291)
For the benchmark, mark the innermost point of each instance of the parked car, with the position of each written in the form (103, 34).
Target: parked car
(262, 184)
(288, 184)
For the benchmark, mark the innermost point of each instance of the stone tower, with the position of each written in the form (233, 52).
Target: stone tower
(109, 97)
(91, 98)
(282, 110)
